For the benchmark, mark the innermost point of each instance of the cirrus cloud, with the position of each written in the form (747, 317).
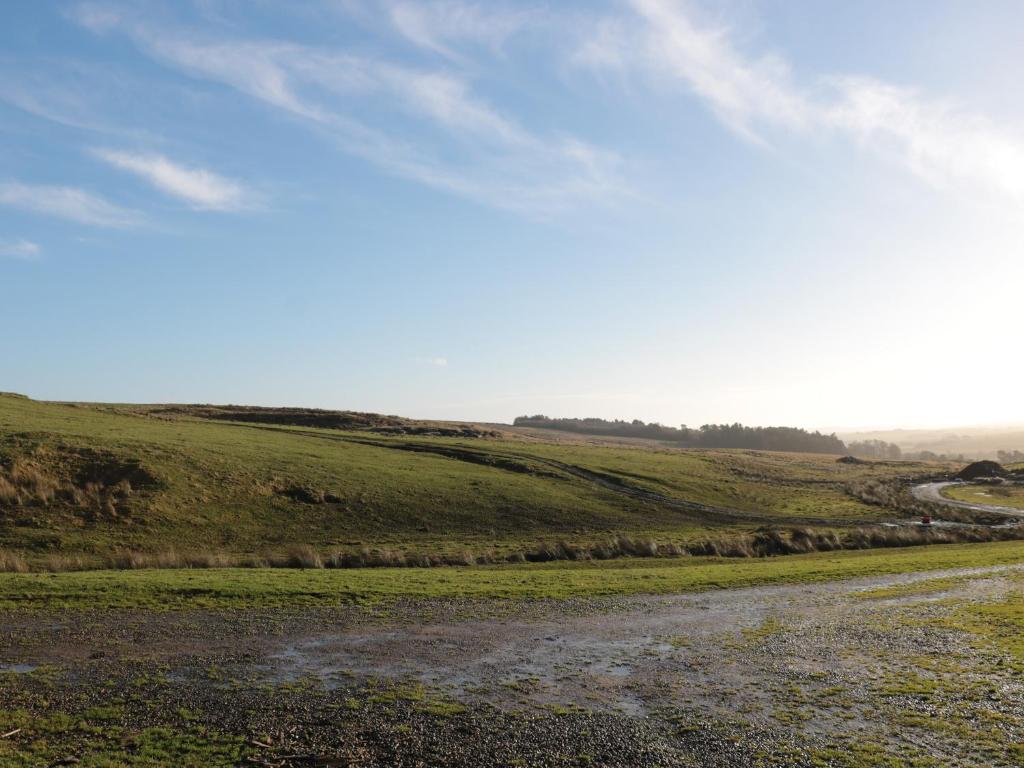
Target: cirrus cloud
(426, 125)
(68, 203)
(19, 249)
(758, 98)
(200, 188)
(435, 26)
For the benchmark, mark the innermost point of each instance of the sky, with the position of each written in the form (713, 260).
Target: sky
(776, 212)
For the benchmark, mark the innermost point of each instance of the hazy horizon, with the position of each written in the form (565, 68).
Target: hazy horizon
(687, 212)
(842, 432)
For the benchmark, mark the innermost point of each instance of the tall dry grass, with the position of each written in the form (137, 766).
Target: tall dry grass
(8, 492)
(765, 542)
(24, 483)
(13, 563)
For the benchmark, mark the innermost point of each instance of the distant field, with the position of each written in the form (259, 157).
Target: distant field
(972, 442)
(83, 481)
(1000, 495)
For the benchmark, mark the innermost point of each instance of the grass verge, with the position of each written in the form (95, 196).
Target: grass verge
(242, 588)
(998, 495)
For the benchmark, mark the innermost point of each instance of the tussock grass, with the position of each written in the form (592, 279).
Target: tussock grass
(25, 483)
(40, 481)
(891, 493)
(234, 588)
(11, 562)
(303, 557)
(126, 559)
(764, 543)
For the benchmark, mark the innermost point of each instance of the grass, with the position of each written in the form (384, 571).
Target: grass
(999, 495)
(998, 624)
(235, 588)
(106, 744)
(84, 482)
(913, 589)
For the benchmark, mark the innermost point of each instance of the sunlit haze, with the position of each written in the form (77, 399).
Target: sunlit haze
(795, 213)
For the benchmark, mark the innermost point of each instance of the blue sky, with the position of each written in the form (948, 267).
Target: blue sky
(777, 212)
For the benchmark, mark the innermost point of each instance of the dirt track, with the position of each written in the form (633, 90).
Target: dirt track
(766, 676)
(932, 492)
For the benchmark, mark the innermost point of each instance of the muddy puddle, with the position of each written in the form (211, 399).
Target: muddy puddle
(706, 650)
(724, 677)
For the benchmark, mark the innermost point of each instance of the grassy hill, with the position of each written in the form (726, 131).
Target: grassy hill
(87, 481)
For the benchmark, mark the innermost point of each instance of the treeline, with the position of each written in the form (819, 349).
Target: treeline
(740, 436)
(880, 449)
(708, 436)
(874, 449)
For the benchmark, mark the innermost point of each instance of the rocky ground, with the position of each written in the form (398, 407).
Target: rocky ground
(890, 671)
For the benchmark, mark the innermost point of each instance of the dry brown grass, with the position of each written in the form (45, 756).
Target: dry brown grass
(127, 559)
(89, 485)
(766, 542)
(894, 494)
(303, 556)
(12, 563)
(24, 483)
(8, 492)
(61, 563)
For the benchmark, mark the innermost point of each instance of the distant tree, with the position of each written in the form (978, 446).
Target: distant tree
(875, 449)
(708, 436)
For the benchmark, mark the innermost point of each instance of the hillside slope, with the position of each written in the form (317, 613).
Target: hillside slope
(91, 479)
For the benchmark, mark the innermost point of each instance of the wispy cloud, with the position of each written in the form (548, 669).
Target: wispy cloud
(446, 100)
(436, 362)
(605, 44)
(940, 143)
(79, 94)
(741, 91)
(68, 203)
(19, 249)
(200, 188)
(439, 26)
(32, 92)
(759, 98)
(475, 151)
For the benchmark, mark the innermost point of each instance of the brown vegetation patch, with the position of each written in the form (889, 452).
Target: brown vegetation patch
(308, 495)
(92, 484)
(319, 418)
(765, 542)
(298, 417)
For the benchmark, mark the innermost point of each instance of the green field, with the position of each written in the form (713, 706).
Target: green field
(1000, 495)
(241, 588)
(83, 482)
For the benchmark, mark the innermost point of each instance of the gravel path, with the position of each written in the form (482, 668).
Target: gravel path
(790, 675)
(932, 492)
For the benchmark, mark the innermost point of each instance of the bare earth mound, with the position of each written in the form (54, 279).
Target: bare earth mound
(980, 469)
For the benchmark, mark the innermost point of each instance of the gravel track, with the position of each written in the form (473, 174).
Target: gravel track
(791, 675)
(932, 492)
